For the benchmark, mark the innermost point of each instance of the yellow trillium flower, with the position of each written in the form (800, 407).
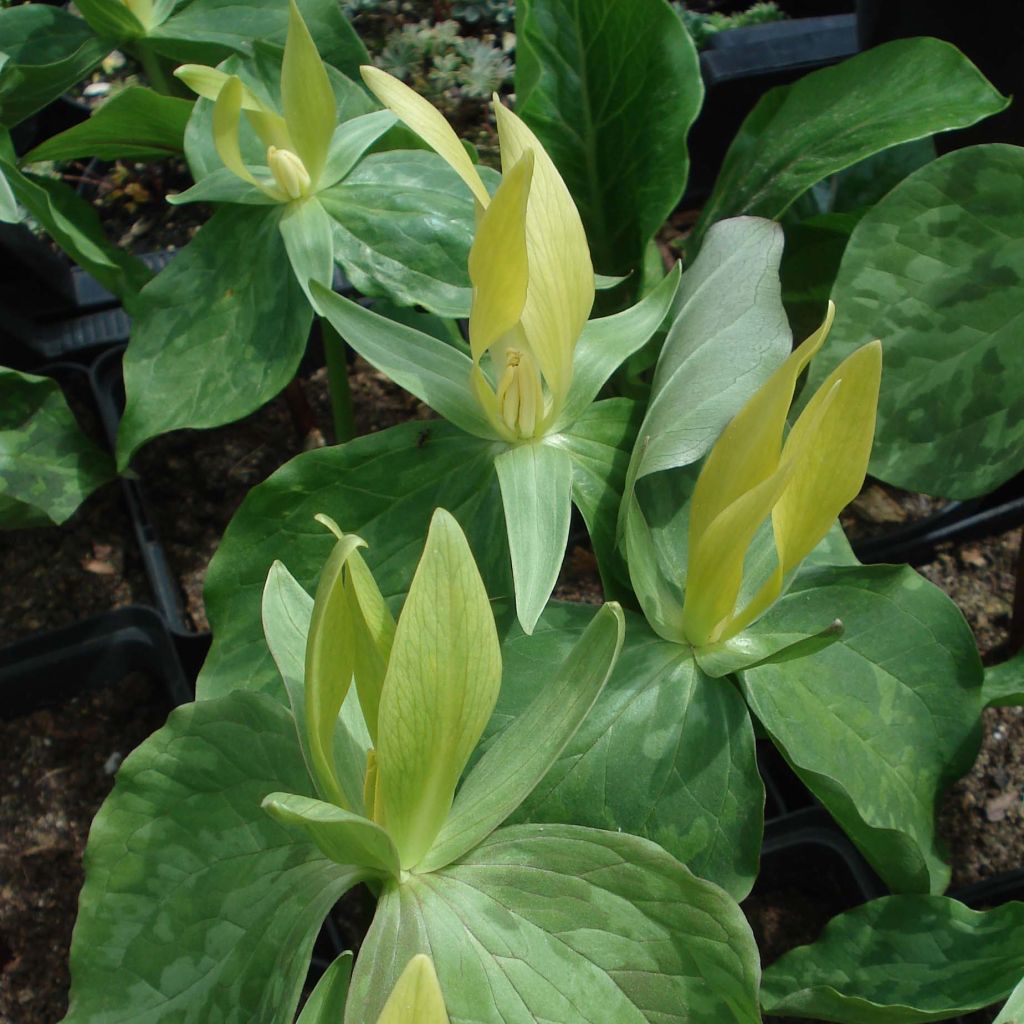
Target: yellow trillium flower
(416, 997)
(802, 484)
(530, 267)
(298, 141)
(426, 684)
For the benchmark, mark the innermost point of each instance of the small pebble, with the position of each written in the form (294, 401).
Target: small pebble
(113, 762)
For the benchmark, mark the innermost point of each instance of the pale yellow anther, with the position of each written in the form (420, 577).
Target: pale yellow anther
(520, 394)
(289, 172)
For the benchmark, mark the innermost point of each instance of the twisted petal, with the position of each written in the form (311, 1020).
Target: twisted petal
(226, 112)
(428, 123)
(561, 291)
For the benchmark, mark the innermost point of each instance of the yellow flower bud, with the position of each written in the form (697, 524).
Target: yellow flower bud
(520, 393)
(289, 172)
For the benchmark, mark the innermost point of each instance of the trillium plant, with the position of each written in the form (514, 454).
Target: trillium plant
(534, 365)
(555, 808)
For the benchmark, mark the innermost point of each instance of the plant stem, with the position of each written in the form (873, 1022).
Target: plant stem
(337, 383)
(153, 67)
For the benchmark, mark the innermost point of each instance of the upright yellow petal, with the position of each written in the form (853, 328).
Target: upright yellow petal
(561, 290)
(428, 123)
(307, 98)
(416, 997)
(749, 448)
(498, 265)
(226, 112)
(831, 473)
(330, 662)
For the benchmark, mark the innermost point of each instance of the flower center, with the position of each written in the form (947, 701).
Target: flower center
(520, 395)
(289, 172)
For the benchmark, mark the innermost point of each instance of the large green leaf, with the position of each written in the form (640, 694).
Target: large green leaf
(666, 753)
(798, 134)
(47, 51)
(901, 960)
(326, 1004)
(197, 906)
(936, 270)
(728, 334)
(565, 924)
(74, 225)
(48, 467)
(599, 442)
(206, 30)
(611, 90)
(404, 222)
(384, 487)
(536, 491)
(880, 721)
(136, 124)
(184, 370)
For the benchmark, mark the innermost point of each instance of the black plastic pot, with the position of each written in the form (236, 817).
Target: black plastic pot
(50, 667)
(958, 522)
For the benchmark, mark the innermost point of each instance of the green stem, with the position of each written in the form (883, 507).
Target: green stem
(153, 66)
(337, 383)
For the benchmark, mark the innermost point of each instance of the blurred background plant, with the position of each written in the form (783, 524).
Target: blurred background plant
(703, 26)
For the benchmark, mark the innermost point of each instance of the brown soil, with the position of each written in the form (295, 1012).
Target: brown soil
(57, 765)
(196, 479)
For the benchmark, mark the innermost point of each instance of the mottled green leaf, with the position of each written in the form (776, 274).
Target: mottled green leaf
(599, 443)
(882, 720)
(565, 924)
(183, 370)
(404, 222)
(74, 225)
(208, 30)
(611, 90)
(936, 270)
(901, 960)
(797, 134)
(47, 51)
(666, 753)
(383, 487)
(48, 467)
(728, 334)
(135, 124)
(197, 906)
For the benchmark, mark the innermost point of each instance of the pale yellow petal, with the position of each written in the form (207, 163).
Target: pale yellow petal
(498, 265)
(749, 448)
(226, 112)
(428, 123)
(416, 997)
(208, 82)
(561, 291)
(307, 98)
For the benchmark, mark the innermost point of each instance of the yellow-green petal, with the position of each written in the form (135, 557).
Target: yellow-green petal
(416, 997)
(330, 663)
(498, 265)
(226, 112)
(271, 128)
(428, 123)
(749, 448)
(441, 685)
(307, 98)
(830, 474)
(561, 290)
(208, 82)
(374, 626)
